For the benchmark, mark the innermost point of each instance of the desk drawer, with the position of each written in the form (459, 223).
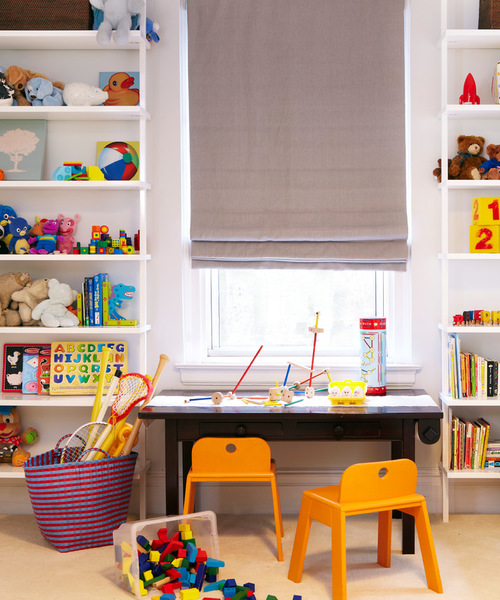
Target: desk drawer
(242, 429)
(339, 430)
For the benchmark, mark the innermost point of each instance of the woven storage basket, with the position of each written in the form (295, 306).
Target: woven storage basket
(45, 14)
(78, 505)
(489, 14)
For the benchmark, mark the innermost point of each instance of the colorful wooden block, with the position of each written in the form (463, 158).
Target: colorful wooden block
(484, 238)
(486, 210)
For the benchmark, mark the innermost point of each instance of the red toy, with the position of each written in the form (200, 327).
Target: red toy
(67, 227)
(469, 96)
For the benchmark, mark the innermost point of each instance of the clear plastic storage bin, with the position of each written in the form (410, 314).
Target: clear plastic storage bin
(202, 524)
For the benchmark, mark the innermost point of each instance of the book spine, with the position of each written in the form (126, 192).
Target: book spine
(86, 302)
(98, 300)
(91, 301)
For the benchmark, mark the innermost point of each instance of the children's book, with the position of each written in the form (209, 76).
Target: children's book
(75, 366)
(20, 367)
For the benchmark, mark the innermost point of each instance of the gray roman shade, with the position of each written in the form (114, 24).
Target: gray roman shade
(297, 134)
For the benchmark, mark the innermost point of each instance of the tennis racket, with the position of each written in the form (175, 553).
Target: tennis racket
(84, 438)
(132, 389)
(137, 424)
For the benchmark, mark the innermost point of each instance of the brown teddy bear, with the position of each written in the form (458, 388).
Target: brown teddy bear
(491, 168)
(9, 283)
(17, 78)
(26, 299)
(468, 160)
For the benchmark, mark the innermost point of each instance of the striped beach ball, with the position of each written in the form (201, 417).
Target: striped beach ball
(118, 161)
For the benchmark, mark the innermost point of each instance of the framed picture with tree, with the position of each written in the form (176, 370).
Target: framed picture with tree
(22, 148)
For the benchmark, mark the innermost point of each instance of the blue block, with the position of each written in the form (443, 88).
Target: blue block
(167, 597)
(230, 583)
(297, 597)
(250, 586)
(192, 551)
(229, 592)
(214, 562)
(200, 576)
(211, 587)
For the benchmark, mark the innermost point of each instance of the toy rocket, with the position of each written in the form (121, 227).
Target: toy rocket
(469, 96)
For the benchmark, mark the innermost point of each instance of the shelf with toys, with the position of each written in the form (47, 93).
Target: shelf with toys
(73, 134)
(470, 111)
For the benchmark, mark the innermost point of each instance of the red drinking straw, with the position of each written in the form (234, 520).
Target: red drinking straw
(314, 349)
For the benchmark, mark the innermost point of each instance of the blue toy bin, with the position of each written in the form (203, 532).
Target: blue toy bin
(78, 505)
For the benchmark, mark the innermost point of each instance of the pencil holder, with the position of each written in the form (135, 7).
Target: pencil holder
(373, 355)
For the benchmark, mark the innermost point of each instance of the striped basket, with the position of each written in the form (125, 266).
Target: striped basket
(78, 505)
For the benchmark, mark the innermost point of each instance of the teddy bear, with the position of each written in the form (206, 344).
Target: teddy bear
(17, 78)
(26, 299)
(491, 168)
(117, 16)
(466, 163)
(53, 312)
(10, 283)
(67, 227)
(11, 437)
(41, 92)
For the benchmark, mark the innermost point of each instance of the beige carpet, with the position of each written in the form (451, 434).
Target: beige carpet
(468, 549)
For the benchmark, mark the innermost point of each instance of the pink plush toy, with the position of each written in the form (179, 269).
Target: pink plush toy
(67, 227)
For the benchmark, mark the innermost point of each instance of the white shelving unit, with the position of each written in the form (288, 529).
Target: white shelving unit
(469, 281)
(72, 134)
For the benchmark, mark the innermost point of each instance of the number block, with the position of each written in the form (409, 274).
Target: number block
(484, 238)
(485, 210)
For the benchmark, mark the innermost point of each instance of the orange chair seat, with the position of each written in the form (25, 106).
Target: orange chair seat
(365, 488)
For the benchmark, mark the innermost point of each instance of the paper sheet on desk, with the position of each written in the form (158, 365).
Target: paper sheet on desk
(317, 401)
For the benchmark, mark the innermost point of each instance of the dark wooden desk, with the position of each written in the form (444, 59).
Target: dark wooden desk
(394, 418)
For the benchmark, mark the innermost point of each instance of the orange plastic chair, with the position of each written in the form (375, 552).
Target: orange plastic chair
(365, 488)
(234, 459)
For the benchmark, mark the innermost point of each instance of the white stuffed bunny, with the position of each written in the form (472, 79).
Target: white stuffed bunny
(53, 312)
(117, 16)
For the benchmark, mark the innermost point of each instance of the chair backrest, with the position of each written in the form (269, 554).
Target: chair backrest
(231, 455)
(378, 480)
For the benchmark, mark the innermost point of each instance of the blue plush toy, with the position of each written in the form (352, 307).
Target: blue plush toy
(18, 228)
(41, 92)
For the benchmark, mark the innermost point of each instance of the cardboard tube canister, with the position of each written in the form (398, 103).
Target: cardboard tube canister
(373, 355)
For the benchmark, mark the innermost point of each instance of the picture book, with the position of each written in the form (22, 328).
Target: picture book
(75, 366)
(20, 367)
(43, 375)
(122, 87)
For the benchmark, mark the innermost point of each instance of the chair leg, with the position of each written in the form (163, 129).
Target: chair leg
(339, 565)
(427, 548)
(384, 538)
(278, 522)
(189, 496)
(300, 541)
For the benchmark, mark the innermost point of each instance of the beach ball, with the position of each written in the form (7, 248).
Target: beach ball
(118, 161)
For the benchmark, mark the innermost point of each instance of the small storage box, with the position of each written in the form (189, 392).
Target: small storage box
(46, 14)
(204, 530)
(489, 14)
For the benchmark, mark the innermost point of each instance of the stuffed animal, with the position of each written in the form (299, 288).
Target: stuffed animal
(53, 312)
(491, 168)
(117, 16)
(46, 243)
(11, 437)
(10, 283)
(77, 93)
(18, 228)
(4, 249)
(466, 163)
(67, 227)
(437, 171)
(37, 228)
(41, 92)
(26, 299)
(17, 78)
(6, 92)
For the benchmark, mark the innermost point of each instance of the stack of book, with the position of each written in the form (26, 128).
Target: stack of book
(470, 375)
(493, 455)
(468, 443)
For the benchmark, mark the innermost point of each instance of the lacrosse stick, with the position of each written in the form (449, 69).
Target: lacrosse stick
(137, 424)
(100, 385)
(132, 389)
(82, 439)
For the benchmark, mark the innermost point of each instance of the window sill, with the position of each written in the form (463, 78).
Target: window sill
(222, 373)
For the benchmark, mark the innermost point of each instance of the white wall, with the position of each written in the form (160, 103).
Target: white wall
(306, 464)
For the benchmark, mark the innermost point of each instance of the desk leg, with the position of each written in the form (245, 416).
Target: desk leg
(171, 468)
(406, 449)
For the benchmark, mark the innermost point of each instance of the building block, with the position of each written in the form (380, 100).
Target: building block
(484, 238)
(486, 210)
(190, 594)
(296, 597)
(214, 562)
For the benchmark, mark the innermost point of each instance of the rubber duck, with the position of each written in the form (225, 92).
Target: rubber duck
(119, 92)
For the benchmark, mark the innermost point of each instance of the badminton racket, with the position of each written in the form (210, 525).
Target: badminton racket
(132, 389)
(137, 424)
(84, 438)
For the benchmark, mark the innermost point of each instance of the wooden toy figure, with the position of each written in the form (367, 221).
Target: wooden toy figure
(11, 437)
